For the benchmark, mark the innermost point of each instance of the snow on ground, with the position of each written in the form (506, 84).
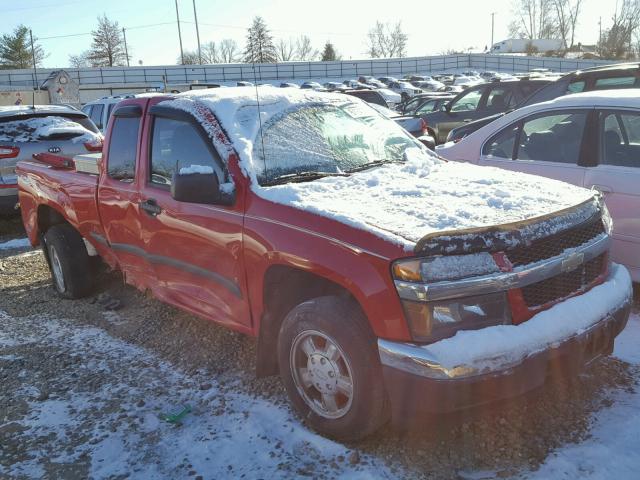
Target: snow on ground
(116, 394)
(613, 451)
(15, 243)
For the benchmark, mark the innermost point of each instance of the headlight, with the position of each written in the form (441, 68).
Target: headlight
(432, 321)
(437, 269)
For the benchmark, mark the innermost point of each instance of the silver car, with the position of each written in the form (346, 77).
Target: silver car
(25, 130)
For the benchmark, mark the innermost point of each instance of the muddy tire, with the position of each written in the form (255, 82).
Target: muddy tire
(331, 369)
(68, 261)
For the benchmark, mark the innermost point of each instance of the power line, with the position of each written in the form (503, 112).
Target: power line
(90, 33)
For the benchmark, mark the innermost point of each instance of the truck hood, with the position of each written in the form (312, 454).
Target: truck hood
(413, 203)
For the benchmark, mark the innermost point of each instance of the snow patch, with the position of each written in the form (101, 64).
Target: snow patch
(15, 243)
(191, 169)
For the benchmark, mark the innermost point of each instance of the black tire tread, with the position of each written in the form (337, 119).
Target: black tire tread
(74, 259)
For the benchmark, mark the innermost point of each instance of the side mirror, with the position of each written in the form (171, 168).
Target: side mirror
(197, 188)
(445, 107)
(428, 141)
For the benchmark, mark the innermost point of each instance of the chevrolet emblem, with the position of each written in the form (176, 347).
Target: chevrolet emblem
(572, 261)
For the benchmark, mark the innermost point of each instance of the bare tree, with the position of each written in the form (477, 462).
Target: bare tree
(383, 41)
(285, 50)
(210, 52)
(533, 19)
(107, 48)
(229, 51)
(79, 61)
(304, 49)
(617, 41)
(188, 58)
(566, 19)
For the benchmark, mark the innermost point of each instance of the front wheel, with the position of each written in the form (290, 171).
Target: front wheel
(331, 370)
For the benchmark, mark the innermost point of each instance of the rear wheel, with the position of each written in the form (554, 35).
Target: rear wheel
(68, 261)
(330, 368)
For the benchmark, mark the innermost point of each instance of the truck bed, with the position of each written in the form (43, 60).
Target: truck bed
(71, 193)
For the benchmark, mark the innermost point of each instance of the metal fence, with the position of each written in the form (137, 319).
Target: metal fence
(220, 73)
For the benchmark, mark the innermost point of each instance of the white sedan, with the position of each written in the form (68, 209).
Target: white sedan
(589, 139)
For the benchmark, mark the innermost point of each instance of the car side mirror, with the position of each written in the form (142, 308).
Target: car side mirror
(446, 107)
(198, 188)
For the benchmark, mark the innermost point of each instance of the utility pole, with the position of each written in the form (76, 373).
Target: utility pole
(35, 71)
(600, 37)
(179, 34)
(195, 15)
(126, 50)
(493, 16)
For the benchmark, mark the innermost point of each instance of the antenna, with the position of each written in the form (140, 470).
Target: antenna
(255, 84)
(35, 72)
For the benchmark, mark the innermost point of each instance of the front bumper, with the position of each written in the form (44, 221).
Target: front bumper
(412, 391)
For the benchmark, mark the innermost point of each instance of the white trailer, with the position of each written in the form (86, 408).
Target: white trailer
(523, 45)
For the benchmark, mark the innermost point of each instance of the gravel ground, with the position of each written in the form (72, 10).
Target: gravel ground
(215, 366)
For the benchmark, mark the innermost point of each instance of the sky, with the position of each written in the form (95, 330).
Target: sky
(152, 33)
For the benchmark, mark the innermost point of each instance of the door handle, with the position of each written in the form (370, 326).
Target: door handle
(151, 207)
(601, 188)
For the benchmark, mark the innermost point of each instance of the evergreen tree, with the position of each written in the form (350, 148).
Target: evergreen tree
(329, 53)
(107, 48)
(260, 47)
(15, 49)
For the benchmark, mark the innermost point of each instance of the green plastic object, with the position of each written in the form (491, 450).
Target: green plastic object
(176, 417)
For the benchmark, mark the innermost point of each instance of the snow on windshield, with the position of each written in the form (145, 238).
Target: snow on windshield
(43, 128)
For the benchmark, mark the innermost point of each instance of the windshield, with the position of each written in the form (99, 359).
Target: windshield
(327, 139)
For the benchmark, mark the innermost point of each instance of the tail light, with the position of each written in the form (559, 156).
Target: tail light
(424, 126)
(9, 152)
(94, 145)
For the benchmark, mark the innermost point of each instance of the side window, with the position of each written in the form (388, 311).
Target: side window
(499, 99)
(177, 145)
(556, 137)
(122, 148)
(96, 115)
(501, 145)
(576, 86)
(426, 107)
(87, 109)
(620, 139)
(615, 82)
(467, 102)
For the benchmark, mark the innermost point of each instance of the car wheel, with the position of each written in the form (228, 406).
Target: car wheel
(68, 261)
(331, 370)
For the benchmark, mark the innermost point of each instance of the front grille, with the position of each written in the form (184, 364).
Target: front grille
(555, 244)
(565, 284)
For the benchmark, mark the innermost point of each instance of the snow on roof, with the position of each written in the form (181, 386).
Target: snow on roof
(29, 109)
(41, 128)
(421, 196)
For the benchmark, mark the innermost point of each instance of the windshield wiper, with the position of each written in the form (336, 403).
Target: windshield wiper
(303, 177)
(375, 163)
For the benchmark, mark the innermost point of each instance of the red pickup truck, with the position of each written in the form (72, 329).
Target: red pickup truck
(380, 280)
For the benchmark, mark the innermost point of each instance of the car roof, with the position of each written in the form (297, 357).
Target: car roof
(625, 97)
(14, 110)
(614, 66)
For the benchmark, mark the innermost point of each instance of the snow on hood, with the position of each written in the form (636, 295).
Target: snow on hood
(398, 202)
(40, 128)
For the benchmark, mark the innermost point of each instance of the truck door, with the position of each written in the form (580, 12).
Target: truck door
(118, 195)
(195, 249)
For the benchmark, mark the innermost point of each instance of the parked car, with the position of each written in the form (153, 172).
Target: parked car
(313, 86)
(405, 89)
(289, 85)
(243, 83)
(373, 82)
(357, 85)
(413, 124)
(100, 110)
(387, 80)
(478, 102)
(25, 130)
(392, 98)
(618, 76)
(589, 139)
(335, 86)
(414, 102)
(369, 96)
(353, 254)
(429, 105)
(428, 85)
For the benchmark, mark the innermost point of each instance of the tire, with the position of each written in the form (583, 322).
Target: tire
(68, 261)
(353, 356)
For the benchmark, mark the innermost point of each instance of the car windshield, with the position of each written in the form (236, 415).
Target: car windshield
(319, 139)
